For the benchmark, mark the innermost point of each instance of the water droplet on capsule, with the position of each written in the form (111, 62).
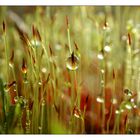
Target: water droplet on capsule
(72, 62)
(100, 99)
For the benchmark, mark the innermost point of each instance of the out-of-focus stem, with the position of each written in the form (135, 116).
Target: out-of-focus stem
(6, 56)
(128, 67)
(113, 98)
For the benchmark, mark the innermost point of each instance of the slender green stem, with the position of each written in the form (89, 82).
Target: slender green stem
(113, 98)
(116, 126)
(109, 119)
(3, 105)
(42, 117)
(28, 121)
(103, 96)
(14, 75)
(72, 99)
(6, 97)
(6, 56)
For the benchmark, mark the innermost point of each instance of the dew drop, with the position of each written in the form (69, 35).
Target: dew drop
(35, 43)
(16, 99)
(135, 106)
(117, 112)
(11, 64)
(76, 112)
(8, 86)
(28, 123)
(114, 101)
(21, 100)
(124, 37)
(44, 70)
(72, 62)
(128, 106)
(130, 131)
(102, 82)
(100, 56)
(102, 71)
(107, 48)
(40, 83)
(25, 81)
(100, 99)
(132, 100)
(58, 47)
(122, 110)
(43, 102)
(39, 128)
(76, 115)
(6, 89)
(67, 84)
(15, 90)
(106, 27)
